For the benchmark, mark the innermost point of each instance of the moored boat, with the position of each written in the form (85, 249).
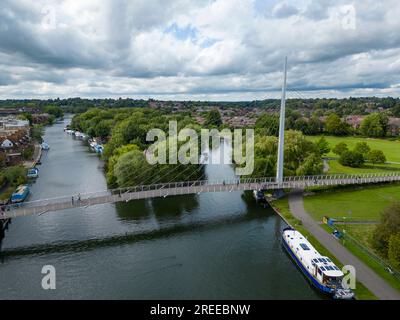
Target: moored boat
(20, 194)
(259, 195)
(319, 270)
(45, 146)
(33, 173)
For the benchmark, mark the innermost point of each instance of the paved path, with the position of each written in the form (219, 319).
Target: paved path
(326, 165)
(368, 277)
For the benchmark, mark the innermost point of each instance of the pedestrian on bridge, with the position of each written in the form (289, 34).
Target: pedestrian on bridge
(72, 200)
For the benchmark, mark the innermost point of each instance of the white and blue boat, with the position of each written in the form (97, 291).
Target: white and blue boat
(33, 173)
(45, 146)
(98, 148)
(20, 194)
(319, 270)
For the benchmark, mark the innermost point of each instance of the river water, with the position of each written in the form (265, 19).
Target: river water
(207, 246)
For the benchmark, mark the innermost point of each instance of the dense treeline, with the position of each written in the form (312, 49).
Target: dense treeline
(386, 237)
(302, 157)
(319, 107)
(124, 131)
(373, 125)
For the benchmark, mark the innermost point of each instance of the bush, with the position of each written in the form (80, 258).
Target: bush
(15, 175)
(363, 148)
(340, 148)
(352, 159)
(376, 156)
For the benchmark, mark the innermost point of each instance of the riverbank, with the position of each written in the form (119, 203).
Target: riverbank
(145, 249)
(283, 207)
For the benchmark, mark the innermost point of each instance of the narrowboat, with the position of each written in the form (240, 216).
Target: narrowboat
(20, 194)
(319, 270)
(33, 173)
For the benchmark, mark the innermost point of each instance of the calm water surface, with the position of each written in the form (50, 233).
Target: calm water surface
(207, 246)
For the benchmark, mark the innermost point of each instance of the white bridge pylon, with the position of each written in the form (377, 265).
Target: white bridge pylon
(281, 146)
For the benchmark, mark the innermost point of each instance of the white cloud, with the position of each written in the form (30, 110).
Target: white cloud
(235, 51)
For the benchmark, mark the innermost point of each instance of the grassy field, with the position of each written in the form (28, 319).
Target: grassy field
(336, 167)
(391, 149)
(358, 203)
(363, 233)
(282, 205)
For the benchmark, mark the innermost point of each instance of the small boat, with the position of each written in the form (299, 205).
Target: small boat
(319, 270)
(259, 195)
(79, 134)
(45, 146)
(98, 148)
(33, 173)
(20, 194)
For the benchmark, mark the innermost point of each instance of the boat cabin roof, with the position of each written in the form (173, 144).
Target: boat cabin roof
(304, 249)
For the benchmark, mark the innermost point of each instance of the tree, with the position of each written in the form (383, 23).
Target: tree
(15, 175)
(213, 118)
(314, 125)
(388, 226)
(396, 110)
(376, 156)
(301, 124)
(323, 146)
(268, 125)
(375, 125)
(37, 132)
(103, 128)
(394, 250)
(302, 157)
(363, 148)
(335, 126)
(340, 148)
(130, 166)
(54, 110)
(312, 165)
(352, 159)
(298, 150)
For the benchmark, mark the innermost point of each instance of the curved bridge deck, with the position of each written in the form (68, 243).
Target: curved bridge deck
(188, 187)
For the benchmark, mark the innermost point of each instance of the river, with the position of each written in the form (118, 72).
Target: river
(207, 246)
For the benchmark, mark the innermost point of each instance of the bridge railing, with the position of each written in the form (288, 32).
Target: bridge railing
(260, 183)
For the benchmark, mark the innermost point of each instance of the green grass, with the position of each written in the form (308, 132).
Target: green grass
(363, 233)
(282, 205)
(336, 167)
(391, 149)
(365, 202)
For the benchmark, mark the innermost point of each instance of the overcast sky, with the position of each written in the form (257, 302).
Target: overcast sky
(198, 49)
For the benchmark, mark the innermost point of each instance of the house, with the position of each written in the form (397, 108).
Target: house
(394, 126)
(7, 144)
